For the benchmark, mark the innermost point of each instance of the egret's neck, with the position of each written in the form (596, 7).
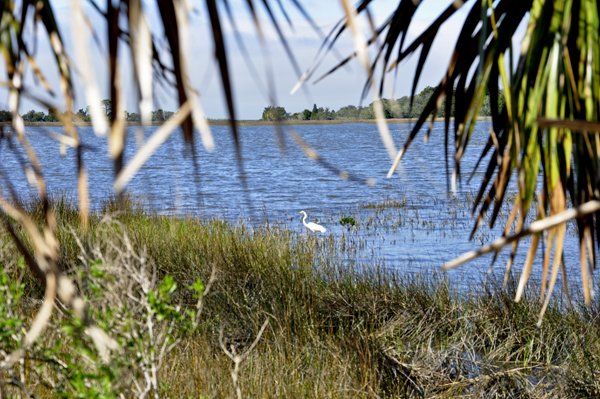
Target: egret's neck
(304, 219)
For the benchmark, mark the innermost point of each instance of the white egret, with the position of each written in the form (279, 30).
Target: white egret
(312, 226)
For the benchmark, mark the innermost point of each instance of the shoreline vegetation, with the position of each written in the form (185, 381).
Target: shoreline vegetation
(335, 329)
(401, 108)
(399, 111)
(218, 122)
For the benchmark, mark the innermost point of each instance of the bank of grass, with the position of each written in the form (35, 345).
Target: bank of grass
(343, 331)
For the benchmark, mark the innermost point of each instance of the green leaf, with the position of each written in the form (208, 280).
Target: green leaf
(198, 286)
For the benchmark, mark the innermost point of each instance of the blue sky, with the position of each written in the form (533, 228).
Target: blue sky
(340, 89)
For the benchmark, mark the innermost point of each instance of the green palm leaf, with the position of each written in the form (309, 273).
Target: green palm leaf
(557, 79)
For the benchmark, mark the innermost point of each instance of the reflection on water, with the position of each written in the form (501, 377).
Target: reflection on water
(411, 223)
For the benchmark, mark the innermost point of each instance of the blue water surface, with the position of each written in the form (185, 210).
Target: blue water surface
(425, 227)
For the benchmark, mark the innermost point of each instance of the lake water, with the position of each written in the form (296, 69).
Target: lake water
(421, 227)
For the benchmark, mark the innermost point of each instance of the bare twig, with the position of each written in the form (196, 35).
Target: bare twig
(238, 359)
(207, 287)
(14, 381)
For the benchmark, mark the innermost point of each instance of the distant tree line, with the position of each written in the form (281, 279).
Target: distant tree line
(398, 108)
(83, 115)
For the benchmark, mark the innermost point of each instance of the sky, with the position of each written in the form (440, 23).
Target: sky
(344, 87)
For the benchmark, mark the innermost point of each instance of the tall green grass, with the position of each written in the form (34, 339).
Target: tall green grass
(338, 330)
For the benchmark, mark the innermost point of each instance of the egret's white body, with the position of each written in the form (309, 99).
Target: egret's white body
(312, 226)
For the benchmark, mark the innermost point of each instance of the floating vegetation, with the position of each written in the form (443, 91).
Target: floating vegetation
(347, 221)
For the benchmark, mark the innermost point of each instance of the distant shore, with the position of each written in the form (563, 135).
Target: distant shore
(252, 122)
(333, 122)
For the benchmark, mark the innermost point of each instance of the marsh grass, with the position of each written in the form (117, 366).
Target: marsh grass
(340, 330)
(386, 203)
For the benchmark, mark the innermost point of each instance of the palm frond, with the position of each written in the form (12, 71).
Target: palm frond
(548, 124)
